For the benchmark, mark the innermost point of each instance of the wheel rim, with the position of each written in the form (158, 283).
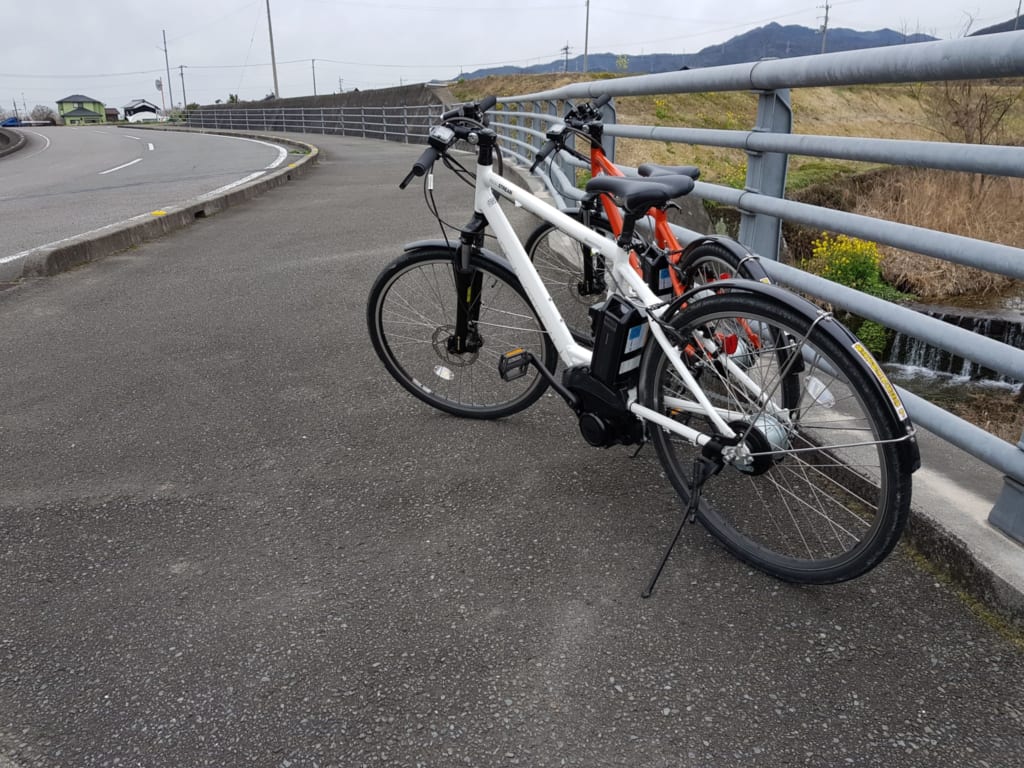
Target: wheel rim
(813, 502)
(416, 320)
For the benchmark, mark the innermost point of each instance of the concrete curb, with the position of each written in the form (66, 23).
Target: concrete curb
(63, 255)
(10, 141)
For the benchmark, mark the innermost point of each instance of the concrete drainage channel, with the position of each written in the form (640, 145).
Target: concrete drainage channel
(89, 246)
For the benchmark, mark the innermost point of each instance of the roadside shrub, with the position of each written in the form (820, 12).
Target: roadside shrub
(855, 263)
(852, 262)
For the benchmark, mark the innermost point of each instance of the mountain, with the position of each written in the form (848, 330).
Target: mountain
(1007, 26)
(770, 41)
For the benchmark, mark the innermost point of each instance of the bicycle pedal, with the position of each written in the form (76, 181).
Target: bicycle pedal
(514, 364)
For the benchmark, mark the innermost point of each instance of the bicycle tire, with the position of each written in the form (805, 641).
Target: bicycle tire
(826, 497)
(710, 261)
(562, 263)
(411, 313)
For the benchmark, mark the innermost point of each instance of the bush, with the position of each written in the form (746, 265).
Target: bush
(854, 263)
(851, 262)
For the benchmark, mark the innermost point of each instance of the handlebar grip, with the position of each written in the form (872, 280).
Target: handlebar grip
(421, 166)
(545, 150)
(471, 110)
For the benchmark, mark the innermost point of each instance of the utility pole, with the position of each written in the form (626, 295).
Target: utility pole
(314, 76)
(170, 90)
(824, 27)
(184, 98)
(566, 50)
(273, 59)
(586, 39)
(1017, 17)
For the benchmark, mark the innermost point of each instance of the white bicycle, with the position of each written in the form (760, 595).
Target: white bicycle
(811, 449)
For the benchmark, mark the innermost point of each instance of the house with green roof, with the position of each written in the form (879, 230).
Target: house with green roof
(81, 110)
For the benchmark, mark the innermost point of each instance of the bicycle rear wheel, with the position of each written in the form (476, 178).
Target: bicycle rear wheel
(710, 261)
(820, 490)
(572, 272)
(411, 314)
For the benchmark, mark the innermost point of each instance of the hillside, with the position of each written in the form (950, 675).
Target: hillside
(770, 41)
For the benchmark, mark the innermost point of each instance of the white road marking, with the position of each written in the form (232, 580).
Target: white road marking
(124, 165)
(44, 138)
(282, 153)
(150, 146)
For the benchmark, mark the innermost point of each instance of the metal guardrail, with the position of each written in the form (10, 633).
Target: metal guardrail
(407, 124)
(522, 121)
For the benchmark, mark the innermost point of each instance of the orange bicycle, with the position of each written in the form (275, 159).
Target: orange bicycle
(575, 274)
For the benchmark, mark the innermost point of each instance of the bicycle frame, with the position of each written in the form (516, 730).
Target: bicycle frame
(569, 351)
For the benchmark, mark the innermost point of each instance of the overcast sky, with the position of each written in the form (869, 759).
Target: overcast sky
(112, 50)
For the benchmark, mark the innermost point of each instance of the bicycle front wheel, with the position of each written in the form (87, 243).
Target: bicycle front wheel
(818, 489)
(573, 273)
(411, 314)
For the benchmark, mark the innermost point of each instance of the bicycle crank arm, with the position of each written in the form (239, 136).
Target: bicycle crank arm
(514, 364)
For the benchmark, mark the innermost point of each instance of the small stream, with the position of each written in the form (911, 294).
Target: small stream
(910, 358)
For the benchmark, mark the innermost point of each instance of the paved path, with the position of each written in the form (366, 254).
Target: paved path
(227, 539)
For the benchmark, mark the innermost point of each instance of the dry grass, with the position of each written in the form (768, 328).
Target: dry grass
(984, 208)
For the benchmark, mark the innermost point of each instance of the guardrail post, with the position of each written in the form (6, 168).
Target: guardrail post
(405, 123)
(608, 117)
(766, 175)
(1008, 513)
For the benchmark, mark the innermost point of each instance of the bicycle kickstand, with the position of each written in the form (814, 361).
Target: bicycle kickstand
(705, 466)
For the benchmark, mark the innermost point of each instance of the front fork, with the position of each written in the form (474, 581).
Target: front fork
(468, 284)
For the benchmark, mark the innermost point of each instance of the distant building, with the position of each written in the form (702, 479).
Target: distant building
(81, 110)
(112, 114)
(140, 110)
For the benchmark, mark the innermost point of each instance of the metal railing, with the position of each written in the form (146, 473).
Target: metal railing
(407, 124)
(522, 121)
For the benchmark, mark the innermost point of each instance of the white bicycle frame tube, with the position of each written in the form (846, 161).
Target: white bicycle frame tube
(570, 352)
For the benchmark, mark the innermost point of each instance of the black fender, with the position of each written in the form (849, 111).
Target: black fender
(840, 334)
(744, 256)
(453, 247)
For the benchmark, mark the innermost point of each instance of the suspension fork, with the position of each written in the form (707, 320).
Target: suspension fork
(468, 285)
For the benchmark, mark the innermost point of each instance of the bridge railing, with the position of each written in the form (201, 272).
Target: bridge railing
(522, 121)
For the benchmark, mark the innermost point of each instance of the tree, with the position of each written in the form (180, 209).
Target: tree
(232, 98)
(42, 113)
(622, 63)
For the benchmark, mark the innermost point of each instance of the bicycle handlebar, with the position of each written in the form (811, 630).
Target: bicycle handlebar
(549, 147)
(421, 166)
(472, 111)
(439, 141)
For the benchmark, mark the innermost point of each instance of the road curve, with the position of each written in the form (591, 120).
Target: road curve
(70, 188)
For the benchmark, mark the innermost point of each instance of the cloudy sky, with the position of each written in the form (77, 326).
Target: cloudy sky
(113, 50)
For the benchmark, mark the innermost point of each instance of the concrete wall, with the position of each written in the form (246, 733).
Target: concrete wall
(10, 141)
(408, 95)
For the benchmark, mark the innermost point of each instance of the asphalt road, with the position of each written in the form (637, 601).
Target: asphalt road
(67, 181)
(227, 539)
